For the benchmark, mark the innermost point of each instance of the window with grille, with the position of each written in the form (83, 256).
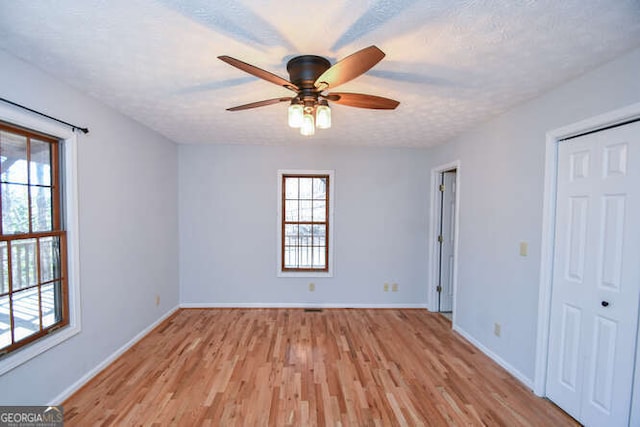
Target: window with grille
(305, 222)
(33, 282)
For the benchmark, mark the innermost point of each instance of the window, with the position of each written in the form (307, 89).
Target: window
(33, 274)
(305, 222)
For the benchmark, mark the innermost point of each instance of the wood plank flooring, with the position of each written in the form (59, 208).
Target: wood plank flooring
(281, 367)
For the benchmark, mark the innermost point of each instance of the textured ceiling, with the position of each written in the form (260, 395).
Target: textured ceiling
(451, 64)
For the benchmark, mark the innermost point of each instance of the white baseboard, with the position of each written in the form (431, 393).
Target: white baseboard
(296, 305)
(106, 362)
(500, 361)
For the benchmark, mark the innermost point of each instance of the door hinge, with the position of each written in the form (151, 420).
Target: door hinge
(440, 238)
(439, 288)
(441, 188)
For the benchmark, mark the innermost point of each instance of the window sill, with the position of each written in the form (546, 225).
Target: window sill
(305, 274)
(28, 352)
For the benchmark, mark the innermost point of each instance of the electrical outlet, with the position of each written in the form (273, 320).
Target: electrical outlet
(386, 287)
(312, 287)
(394, 287)
(497, 329)
(157, 300)
(524, 248)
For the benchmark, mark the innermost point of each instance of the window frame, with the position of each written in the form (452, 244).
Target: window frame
(57, 232)
(330, 241)
(69, 223)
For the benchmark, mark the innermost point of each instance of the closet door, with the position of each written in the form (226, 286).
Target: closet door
(596, 279)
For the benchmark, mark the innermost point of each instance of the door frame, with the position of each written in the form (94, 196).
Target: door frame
(553, 137)
(432, 294)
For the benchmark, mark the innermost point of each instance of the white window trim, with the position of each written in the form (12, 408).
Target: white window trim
(16, 116)
(332, 242)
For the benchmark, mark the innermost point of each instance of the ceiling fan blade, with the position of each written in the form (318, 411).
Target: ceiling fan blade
(349, 68)
(361, 100)
(259, 104)
(259, 72)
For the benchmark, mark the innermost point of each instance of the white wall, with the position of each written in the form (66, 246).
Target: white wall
(228, 225)
(128, 228)
(501, 190)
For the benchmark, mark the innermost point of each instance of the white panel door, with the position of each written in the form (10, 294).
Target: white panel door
(596, 278)
(448, 240)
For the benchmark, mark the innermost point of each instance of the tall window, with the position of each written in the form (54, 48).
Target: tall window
(33, 282)
(305, 223)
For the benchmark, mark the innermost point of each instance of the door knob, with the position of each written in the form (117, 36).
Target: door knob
(605, 303)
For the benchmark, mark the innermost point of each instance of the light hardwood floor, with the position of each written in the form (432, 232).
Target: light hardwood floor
(251, 367)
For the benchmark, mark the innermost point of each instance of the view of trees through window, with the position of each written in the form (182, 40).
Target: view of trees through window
(32, 280)
(305, 222)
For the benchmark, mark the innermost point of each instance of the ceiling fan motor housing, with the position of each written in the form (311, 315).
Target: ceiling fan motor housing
(304, 71)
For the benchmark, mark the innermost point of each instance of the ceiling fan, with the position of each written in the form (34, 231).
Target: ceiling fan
(310, 77)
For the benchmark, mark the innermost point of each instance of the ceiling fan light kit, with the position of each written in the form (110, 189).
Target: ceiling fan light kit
(296, 112)
(311, 76)
(308, 126)
(323, 114)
